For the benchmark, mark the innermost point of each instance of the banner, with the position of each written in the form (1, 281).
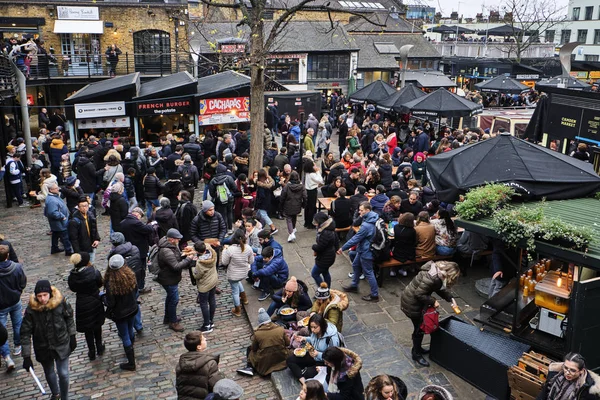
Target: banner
(94, 110)
(80, 13)
(218, 119)
(175, 106)
(99, 123)
(232, 105)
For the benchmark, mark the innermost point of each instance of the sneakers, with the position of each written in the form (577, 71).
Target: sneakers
(392, 273)
(206, 329)
(291, 237)
(351, 275)
(274, 231)
(24, 205)
(17, 350)
(264, 295)
(145, 290)
(248, 371)
(403, 272)
(352, 289)
(370, 298)
(10, 364)
(177, 327)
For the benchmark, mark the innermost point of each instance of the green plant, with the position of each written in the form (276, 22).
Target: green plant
(483, 201)
(597, 195)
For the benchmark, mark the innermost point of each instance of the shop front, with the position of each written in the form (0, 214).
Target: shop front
(223, 112)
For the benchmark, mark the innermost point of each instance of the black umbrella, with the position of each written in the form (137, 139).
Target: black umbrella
(398, 99)
(533, 170)
(373, 92)
(442, 103)
(558, 81)
(504, 84)
(504, 30)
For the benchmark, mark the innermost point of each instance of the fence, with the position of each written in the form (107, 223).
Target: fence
(8, 82)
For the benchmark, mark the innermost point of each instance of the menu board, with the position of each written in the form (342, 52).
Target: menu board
(575, 121)
(590, 127)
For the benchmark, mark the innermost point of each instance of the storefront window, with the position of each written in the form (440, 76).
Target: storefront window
(328, 66)
(283, 69)
(371, 76)
(79, 49)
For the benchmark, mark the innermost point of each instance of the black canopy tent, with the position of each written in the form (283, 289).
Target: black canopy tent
(503, 84)
(534, 171)
(373, 92)
(442, 103)
(503, 30)
(399, 98)
(450, 29)
(565, 82)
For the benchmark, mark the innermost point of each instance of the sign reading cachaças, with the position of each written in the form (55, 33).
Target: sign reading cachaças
(224, 111)
(158, 107)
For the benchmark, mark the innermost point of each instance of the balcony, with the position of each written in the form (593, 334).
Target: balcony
(8, 82)
(492, 49)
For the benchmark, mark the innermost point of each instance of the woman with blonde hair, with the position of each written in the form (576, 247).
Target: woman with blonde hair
(386, 387)
(46, 178)
(435, 277)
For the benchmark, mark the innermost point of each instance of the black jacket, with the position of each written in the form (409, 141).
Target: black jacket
(404, 243)
(327, 244)
(152, 187)
(138, 233)
(166, 220)
(204, 227)
(86, 282)
(171, 263)
(171, 189)
(170, 162)
(293, 198)
(12, 283)
(130, 253)
(350, 184)
(86, 173)
(385, 172)
(196, 374)
(194, 150)
(185, 214)
(341, 211)
(118, 210)
(120, 307)
(78, 232)
(355, 201)
(415, 209)
(222, 177)
(71, 195)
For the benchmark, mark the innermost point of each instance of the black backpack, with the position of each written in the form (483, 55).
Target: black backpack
(186, 177)
(380, 246)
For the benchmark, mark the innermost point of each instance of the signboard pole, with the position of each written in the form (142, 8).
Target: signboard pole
(72, 133)
(196, 125)
(136, 131)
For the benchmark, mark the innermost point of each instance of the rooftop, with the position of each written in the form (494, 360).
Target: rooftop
(376, 50)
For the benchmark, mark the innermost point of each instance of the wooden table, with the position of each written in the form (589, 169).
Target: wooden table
(325, 202)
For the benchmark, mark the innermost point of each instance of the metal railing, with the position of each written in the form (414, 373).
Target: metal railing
(88, 65)
(492, 49)
(8, 81)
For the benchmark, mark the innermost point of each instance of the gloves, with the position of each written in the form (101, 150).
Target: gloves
(27, 363)
(73, 343)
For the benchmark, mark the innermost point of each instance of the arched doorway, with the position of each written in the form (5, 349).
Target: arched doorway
(152, 50)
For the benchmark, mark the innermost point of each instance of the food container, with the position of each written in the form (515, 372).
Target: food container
(300, 352)
(551, 296)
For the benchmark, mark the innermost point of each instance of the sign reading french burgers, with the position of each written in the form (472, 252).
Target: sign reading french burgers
(224, 111)
(164, 107)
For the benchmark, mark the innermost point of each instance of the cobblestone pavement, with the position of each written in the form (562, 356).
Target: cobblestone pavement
(157, 348)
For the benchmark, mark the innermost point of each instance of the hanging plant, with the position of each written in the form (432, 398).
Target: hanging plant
(484, 200)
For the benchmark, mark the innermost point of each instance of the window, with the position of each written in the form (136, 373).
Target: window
(82, 48)
(596, 36)
(328, 66)
(576, 13)
(152, 50)
(591, 57)
(283, 69)
(268, 15)
(565, 36)
(582, 35)
(589, 11)
(550, 36)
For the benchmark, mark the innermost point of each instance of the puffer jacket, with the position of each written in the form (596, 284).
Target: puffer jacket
(86, 283)
(264, 194)
(118, 210)
(205, 272)
(293, 198)
(441, 392)
(204, 227)
(329, 339)
(171, 262)
(166, 220)
(268, 350)
(333, 312)
(327, 244)
(12, 283)
(378, 202)
(362, 239)
(86, 172)
(50, 327)
(121, 306)
(276, 267)
(130, 253)
(57, 213)
(185, 214)
(171, 189)
(152, 187)
(385, 172)
(196, 374)
(57, 149)
(417, 295)
(348, 381)
(237, 261)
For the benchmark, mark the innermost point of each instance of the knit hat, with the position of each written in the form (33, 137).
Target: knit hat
(70, 181)
(80, 260)
(117, 238)
(116, 261)
(187, 158)
(292, 284)
(320, 218)
(192, 139)
(207, 205)
(322, 292)
(43, 286)
(419, 154)
(174, 234)
(228, 389)
(263, 317)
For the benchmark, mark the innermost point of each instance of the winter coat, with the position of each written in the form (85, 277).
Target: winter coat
(293, 199)
(12, 283)
(222, 178)
(385, 172)
(71, 196)
(268, 351)
(237, 261)
(121, 307)
(404, 243)
(419, 171)
(205, 227)
(57, 213)
(193, 172)
(329, 339)
(280, 161)
(362, 239)
(304, 301)
(57, 149)
(118, 210)
(194, 150)
(312, 122)
(276, 268)
(349, 383)
(152, 187)
(296, 132)
(341, 211)
(49, 326)
(333, 312)
(264, 194)
(205, 272)
(425, 240)
(422, 143)
(441, 392)
(86, 173)
(171, 262)
(378, 202)
(185, 214)
(89, 310)
(327, 244)
(130, 253)
(109, 174)
(137, 232)
(417, 295)
(129, 185)
(309, 144)
(196, 374)
(589, 383)
(166, 220)
(171, 190)
(79, 237)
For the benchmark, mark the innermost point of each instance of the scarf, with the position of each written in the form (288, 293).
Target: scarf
(562, 389)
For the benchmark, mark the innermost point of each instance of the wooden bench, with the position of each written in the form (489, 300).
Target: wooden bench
(342, 232)
(395, 263)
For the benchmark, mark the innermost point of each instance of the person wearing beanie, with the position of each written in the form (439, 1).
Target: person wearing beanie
(226, 389)
(209, 224)
(52, 344)
(119, 207)
(269, 348)
(197, 372)
(83, 229)
(330, 303)
(325, 248)
(184, 214)
(208, 172)
(85, 280)
(190, 176)
(294, 295)
(293, 199)
(121, 304)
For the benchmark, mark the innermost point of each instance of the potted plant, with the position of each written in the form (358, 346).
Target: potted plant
(484, 200)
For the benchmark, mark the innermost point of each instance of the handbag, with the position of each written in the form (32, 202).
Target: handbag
(431, 320)
(277, 192)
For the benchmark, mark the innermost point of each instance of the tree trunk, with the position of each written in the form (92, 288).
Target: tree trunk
(257, 95)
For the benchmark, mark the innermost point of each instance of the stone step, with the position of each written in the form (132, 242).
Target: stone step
(286, 385)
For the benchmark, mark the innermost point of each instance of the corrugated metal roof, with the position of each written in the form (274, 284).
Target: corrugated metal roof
(222, 82)
(577, 212)
(104, 87)
(169, 82)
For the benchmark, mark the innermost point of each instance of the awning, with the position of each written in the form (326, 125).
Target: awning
(74, 26)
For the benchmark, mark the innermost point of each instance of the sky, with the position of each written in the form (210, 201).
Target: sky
(468, 8)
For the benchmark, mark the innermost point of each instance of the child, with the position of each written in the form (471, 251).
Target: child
(207, 279)
(65, 166)
(197, 373)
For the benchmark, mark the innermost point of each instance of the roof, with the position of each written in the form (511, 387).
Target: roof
(378, 22)
(578, 212)
(179, 81)
(353, 5)
(428, 79)
(107, 86)
(370, 58)
(222, 82)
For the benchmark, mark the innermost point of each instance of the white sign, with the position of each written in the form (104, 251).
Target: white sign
(117, 122)
(217, 119)
(81, 13)
(94, 110)
(527, 76)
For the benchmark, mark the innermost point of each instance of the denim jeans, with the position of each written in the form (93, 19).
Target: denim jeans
(444, 250)
(137, 320)
(208, 305)
(361, 265)
(171, 302)
(316, 274)
(16, 316)
(64, 236)
(133, 203)
(62, 368)
(149, 204)
(264, 217)
(236, 289)
(126, 332)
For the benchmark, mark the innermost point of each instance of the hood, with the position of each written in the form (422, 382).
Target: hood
(380, 198)
(295, 187)
(356, 362)
(386, 167)
(163, 214)
(311, 118)
(396, 152)
(267, 184)
(57, 144)
(340, 300)
(327, 225)
(193, 361)
(277, 253)
(371, 217)
(221, 169)
(331, 330)
(210, 262)
(440, 391)
(54, 301)
(219, 179)
(114, 196)
(123, 249)
(83, 161)
(7, 267)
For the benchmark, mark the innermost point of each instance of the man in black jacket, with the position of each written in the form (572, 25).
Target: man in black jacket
(222, 189)
(341, 209)
(194, 150)
(140, 235)
(83, 230)
(357, 198)
(170, 165)
(352, 180)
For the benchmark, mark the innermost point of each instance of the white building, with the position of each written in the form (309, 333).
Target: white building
(583, 25)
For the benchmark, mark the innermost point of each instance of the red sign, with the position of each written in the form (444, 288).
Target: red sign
(175, 106)
(233, 48)
(232, 105)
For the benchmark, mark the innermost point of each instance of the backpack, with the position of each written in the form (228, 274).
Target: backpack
(340, 339)
(223, 193)
(152, 262)
(186, 177)
(380, 246)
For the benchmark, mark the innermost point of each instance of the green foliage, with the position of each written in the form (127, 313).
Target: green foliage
(597, 195)
(483, 201)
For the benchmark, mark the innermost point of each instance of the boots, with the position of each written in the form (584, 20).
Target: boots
(130, 364)
(417, 355)
(243, 298)
(237, 311)
(100, 348)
